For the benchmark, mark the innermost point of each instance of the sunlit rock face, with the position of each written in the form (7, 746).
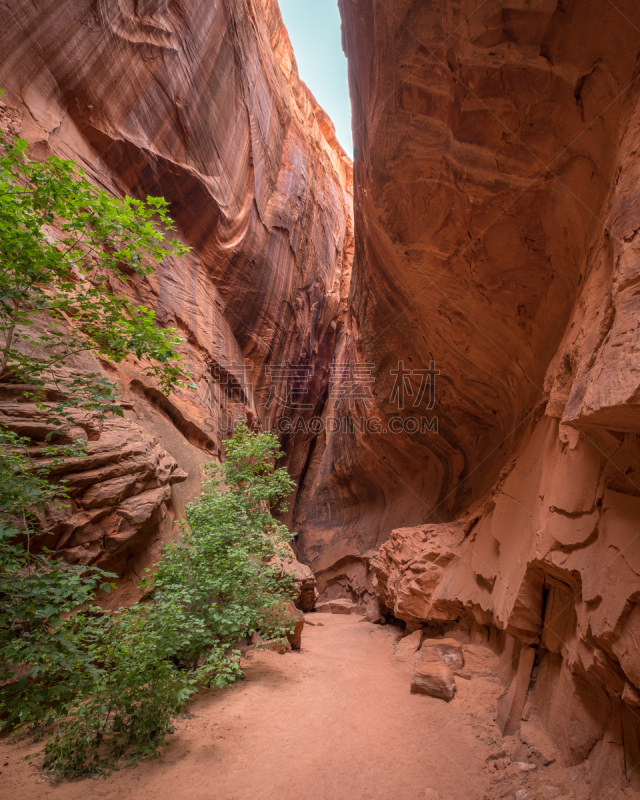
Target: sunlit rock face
(483, 161)
(497, 217)
(199, 102)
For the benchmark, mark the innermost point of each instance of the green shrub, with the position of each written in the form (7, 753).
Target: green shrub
(40, 648)
(209, 590)
(124, 704)
(224, 553)
(65, 247)
(108, 684)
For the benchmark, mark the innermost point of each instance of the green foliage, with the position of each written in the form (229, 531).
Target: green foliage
(65, 248)
(66, 251)
(218, 581)
(108, 684)
(209, 590)
(125, 702)
(37, 594)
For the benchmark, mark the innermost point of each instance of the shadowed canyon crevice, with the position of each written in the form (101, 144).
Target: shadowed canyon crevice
(489, 225)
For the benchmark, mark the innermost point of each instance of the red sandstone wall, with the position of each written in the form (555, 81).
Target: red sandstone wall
(496, 221)
(199, 102)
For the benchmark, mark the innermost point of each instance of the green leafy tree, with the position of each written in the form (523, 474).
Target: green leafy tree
(108, 684)
(209, 590)
(41, 652)
(66, 248)
(219, 579)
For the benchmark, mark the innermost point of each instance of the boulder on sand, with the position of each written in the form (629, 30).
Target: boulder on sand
(295, 637)
(449, 651)
(433, 678)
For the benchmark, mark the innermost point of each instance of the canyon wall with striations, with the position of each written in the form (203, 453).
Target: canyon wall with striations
(497, 214)
(199, 102)
(497, 210)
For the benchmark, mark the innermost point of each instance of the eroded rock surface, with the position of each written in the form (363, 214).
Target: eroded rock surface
(497, 221)
(287, 564)
(199, 102)
(339, 607)
(496, 214)
(434, 678)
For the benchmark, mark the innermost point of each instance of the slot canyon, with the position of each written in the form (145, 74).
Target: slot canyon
(479, 259)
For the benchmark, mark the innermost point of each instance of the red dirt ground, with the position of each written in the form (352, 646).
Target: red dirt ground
(333, 721)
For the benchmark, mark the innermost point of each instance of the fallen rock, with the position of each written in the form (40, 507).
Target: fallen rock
(305, 580)
(339, 607)
(373, 612)
(275, 644)
(334, 607)
(409, 593)
(295, 638)
(280, 648)
(407, 647)
(433, 678)
(449, 651)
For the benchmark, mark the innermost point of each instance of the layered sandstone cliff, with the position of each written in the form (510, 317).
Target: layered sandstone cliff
(496, 221)
(199, 102)
(496, 236)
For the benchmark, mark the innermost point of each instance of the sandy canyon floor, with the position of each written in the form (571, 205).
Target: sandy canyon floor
(333, 721)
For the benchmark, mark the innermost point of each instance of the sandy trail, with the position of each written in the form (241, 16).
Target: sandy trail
(333, 721)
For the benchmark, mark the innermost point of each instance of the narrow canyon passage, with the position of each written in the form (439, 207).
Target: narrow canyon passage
(333, 720)
(443, 334)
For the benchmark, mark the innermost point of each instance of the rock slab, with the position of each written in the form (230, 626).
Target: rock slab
(449, 651)
(433, 678)
(339, 607)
